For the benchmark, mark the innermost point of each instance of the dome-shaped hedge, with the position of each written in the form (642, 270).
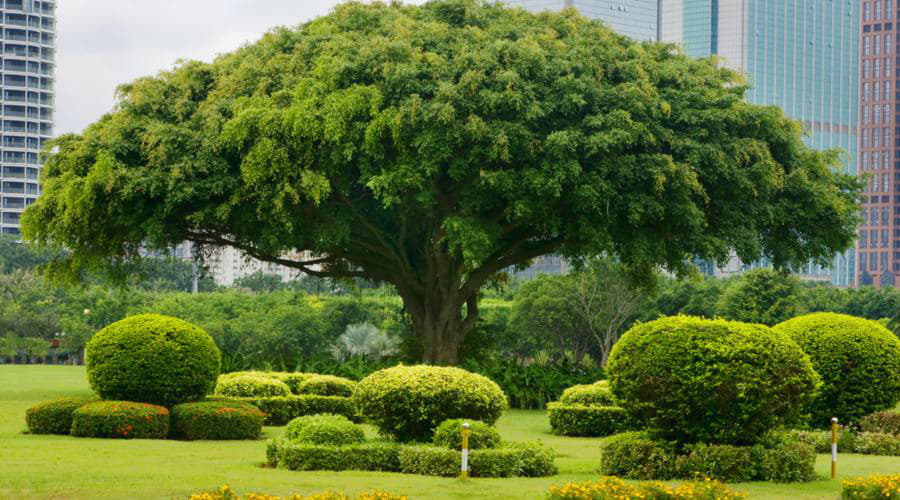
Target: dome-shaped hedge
(121, 419)
(481, 435)
(216, 420)
(690, 379)
(251, 386)
(596, 394)
(858, 360)
(327, 385)
(153, 359)
(330, 430)
(408, 402)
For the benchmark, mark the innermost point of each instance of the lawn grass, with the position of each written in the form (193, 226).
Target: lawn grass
(66, 467)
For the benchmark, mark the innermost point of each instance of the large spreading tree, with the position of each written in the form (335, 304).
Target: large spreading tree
(434, 146)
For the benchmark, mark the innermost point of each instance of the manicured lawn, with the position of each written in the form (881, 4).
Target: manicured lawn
(66, 467)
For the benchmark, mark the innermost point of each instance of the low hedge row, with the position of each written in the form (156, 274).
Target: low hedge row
(864, 443)
(282, 409)
(875, 487)
(778, 458)
(481, 435)
(54, 416)
(253, 384)
(589, 420)
(120, 419)
(256, 386)
(515, 459)
(613, 487)
(215, 420)
(882, 422)
(327, 385)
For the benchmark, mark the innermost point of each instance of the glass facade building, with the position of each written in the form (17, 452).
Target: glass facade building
(26, 85)
(800, 55)
(638, 19)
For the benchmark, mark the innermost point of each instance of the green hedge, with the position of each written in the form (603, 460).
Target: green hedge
(373, 456)
(712, 381)
(251, 386)
(637, 456)
(481, 435)
(121, 419)
(596, 394)
(864, 443)
(152, 359)
(589, 421)
(882, 422)
(215, 420)
(292, 379)
(327, 385)
(858, 360)
(327, 430)
(54, 416)
(409, 402)
(281, 410)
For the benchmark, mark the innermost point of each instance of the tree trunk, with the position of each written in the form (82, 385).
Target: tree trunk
(439, 322)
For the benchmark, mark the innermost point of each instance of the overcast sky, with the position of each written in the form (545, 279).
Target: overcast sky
(102, 43)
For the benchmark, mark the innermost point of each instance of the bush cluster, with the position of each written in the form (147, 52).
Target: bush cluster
(327, 430)
(614, 488)
(216, 420)
(875, 487)
(327, 385)
(858, 360)
(152, 359)
(883, 422)
(864, 443)
(714, 381)
(637, 456)
(280, 410)
(408, 402)
(251, 386)
(589, 420)
(481, 435)
(121, 419)
(596, 394)
(54, 416)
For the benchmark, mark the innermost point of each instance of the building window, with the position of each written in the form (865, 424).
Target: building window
(866, 70)
(887, 44)
(878, 9)
(887, 90)
(867, 92)
(865, 114)
(885, 160)
(887, 67)
(867, 45)
(877, 68)
(867, 11)
(887, 136)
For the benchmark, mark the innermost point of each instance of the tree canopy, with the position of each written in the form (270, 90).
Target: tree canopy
(434, 146)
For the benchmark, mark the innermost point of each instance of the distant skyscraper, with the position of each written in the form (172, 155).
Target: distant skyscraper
(29, 36)
(878, 245)
(800, 55)
(635, 18)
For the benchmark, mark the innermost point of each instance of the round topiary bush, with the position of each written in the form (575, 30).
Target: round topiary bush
(152, 359)
(858, 360)
(293, 379)
(408, 402)
(251, 386)
(216, 420)
(690, 379)
(327, 385)
(54, 416)
(481, 435)
(121, 419)
(596, 394)
(331, 430)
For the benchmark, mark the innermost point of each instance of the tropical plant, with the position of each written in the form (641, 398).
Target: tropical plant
(364, 340)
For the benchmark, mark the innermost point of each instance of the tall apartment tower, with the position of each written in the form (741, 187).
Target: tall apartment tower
(638, 19)
(803, 56)
(26, 87)
(878, 245)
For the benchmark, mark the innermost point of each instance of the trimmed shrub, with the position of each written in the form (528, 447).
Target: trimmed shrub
(634, 455)
(724, 462)
(215, 420)
(121, 419)
(875, 487)
(614, 488)
(493, 462)
(408, 402)
(858, 360)
(589, 421)
(282, 409)
(788, 462)
(429, 461)
(152, 359)
(327, 385)
(882, 422)
(327, 430)
(54, 416)
(251, 386)
(537, 460)
(293, 379)
(481, 435)
(372, 456)
(596, 394)
(713, 381)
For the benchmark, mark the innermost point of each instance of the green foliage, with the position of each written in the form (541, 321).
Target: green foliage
(292, 380)
(120, 419)
(280, 410)
(885, 422)
(432, 151)
(694, 380)
(613, 488)
(365, 340)
(790, 462)
(323, 429)
(596, 394)
(327, 385)
(572, 419)
(154, 359)
(481, 435)
(251, 386)
(215, 420)
(858, 360)
(537, 459)
(408, 402)
(634, 455)
(18, 256)
(54, 416)
(761, 296)
(371, 456)
(260, 282)
(429, 461)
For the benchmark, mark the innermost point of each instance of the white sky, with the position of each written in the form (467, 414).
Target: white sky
(103, 43)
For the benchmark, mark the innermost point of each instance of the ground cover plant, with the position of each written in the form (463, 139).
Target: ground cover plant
(176, 469)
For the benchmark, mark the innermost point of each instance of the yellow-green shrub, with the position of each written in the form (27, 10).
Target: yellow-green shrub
(330, 430)
(121, 419)
(589, 420)
(596, 394)
(216, 420)
(327, 385)
(610, 488)
(481, 435)
(251, 386)
(54, 416)
(226, 493)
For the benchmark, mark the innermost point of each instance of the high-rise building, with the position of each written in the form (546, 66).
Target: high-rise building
(878, 245)
(26, 83)
(800, 55)
(637, 19)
